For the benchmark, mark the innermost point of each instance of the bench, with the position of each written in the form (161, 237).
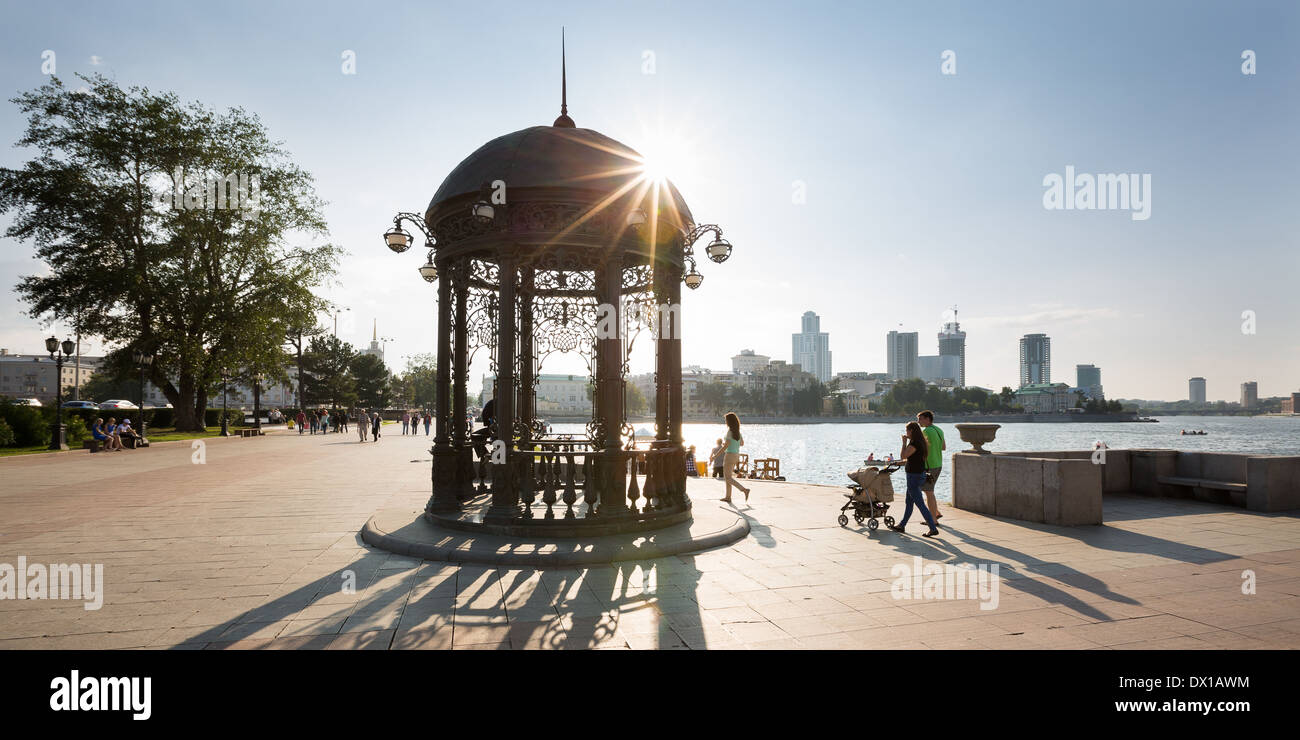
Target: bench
(250, 432)
(132, 443)
(766, 468)
(1222, 485)
(91, 444)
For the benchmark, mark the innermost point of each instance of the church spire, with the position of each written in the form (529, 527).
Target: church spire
(563, 121)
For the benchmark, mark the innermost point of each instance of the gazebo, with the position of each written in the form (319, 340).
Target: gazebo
(555, 239)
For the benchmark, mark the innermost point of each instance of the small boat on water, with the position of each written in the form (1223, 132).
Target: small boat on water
(1194, 433)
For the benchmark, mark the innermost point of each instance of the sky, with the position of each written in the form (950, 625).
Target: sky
(854, 177)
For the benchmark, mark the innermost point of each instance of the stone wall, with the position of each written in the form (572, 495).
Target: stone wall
(1065, 487)
(1055, 488)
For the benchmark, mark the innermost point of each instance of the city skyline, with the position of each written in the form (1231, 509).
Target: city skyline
(875, 209)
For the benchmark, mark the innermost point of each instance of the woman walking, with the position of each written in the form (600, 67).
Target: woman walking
(734, 442)
(363, 423)
(915, 450)
(375, 420)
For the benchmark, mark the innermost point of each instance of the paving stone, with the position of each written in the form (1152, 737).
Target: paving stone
(264, 565)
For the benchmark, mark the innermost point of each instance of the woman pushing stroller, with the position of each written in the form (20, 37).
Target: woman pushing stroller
(914, 452)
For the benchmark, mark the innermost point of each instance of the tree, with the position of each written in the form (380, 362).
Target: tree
(739, 398)
(327, 372)
(150, 262)
(422, 378)
(373, 388)
(636, 403)
(713, 395)
(808, 401)
(297, 338)
(104, 384)
(1008, 397)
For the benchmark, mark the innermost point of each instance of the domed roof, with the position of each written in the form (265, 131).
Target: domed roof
(559, 157)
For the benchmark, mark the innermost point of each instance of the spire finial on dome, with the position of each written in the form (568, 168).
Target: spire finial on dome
(563, 121)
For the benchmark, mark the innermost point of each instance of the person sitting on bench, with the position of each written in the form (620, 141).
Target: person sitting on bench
(124, 430)
(98, 434)
(111, 430)
(485, 434)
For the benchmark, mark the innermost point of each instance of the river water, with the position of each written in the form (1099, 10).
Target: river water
(824, 453)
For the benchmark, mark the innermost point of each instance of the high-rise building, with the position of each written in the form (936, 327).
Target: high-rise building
(942, 370)
(1249, 394)
(811, 348)
(1196, 390)
(1088, 379)
(952, 342)
(901, 352)
(1035, 359)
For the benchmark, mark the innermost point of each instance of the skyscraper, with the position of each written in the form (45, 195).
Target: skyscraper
(952, 342)
(811, 348)
(1035, 359)
(1249, 394)
(1088, 378)
(1196, 390)
(901, 352)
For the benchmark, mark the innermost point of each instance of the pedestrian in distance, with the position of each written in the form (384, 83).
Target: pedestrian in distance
(716, 458)
(731, 458)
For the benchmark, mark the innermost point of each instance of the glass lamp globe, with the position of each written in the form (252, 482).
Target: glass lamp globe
(483, 212)
(397, 239)
(719, 250)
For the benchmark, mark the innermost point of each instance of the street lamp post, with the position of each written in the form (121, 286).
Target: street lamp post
(58, 433)
(225, 422)
(257, 403)
(399, 240)
(142, 362)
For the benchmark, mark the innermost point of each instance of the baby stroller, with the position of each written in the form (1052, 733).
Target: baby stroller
(871, 493)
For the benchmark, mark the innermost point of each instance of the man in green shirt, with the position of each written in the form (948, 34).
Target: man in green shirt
(933, 460)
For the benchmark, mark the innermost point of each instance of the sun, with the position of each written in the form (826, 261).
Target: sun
(663, 156)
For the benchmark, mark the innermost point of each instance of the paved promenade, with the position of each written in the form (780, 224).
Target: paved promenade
(254, 548)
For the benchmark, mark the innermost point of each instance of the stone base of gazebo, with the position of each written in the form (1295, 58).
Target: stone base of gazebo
(473, 517)
(411, 533)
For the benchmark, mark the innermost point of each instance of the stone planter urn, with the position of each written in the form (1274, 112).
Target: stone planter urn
(978, 435)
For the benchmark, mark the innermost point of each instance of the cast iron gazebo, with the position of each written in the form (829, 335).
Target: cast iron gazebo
(554, 239)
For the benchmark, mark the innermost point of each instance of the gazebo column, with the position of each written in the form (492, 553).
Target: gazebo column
(611, 474)
(673, 294)
(527, 390)
(460, 404)
(444, 456)
(505, 498)
(663, 377)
